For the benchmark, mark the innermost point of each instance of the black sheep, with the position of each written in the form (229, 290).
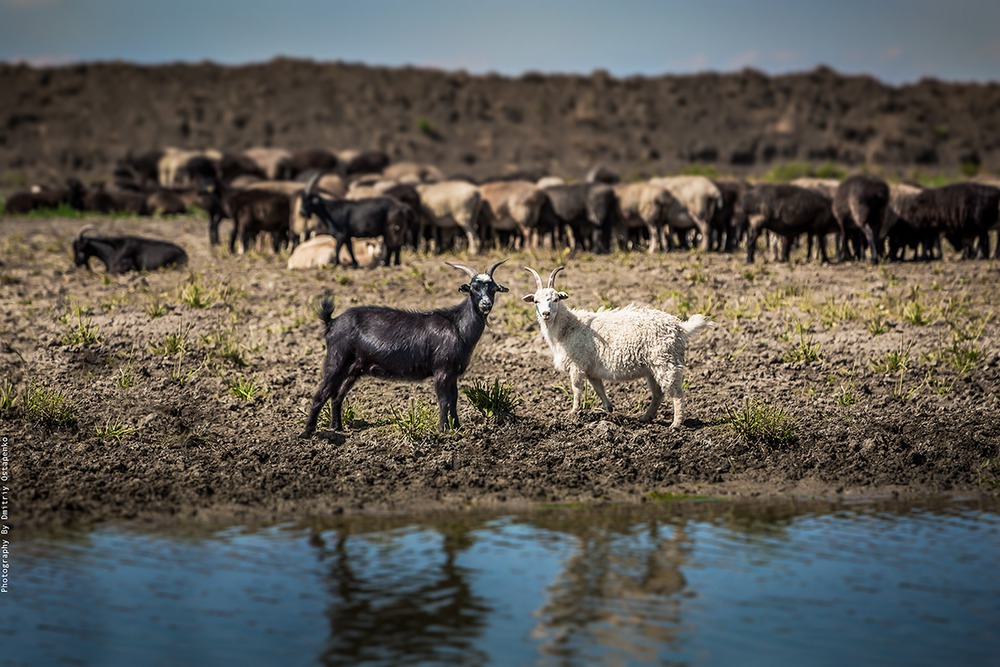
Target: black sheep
(788, 211)
(860, 204)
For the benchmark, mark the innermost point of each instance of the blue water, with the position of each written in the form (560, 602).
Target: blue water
(699, 584)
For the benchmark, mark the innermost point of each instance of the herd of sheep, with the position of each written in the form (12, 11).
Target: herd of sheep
(324, 206)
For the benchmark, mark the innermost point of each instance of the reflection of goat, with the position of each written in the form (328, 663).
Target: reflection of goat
(406, 345)
(616, 345)
(126, 253)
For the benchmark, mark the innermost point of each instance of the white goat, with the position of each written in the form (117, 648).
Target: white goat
(616, 345)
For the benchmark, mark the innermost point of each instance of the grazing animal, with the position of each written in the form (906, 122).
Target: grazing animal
(345, 219)
(616, 345)
(513, 206)
(451, 204)
(405, 345)
(320, 251)
(587, 211)
(700, 196)
(121, 254)
(963, 212)
(788, 211)
(860, 204)
(645, 205)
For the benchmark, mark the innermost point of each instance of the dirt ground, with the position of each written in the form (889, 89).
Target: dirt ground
(119, 394)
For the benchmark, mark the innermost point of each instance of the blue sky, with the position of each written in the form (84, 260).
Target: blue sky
(896, 41)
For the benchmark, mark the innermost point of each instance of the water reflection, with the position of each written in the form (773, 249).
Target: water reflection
(388, 600)
(708, 583)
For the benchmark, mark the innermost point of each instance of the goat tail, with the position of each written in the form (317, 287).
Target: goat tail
(696, 323)
(326, 311)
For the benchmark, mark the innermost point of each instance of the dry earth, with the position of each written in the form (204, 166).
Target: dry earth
(889, 376)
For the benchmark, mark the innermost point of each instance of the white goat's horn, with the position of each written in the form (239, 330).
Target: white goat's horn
(552, 276)
(462, 267)
(538, 278)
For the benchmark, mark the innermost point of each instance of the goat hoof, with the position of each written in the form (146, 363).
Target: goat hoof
(306, 435)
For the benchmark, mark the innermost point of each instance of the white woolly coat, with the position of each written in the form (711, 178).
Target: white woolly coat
(620, 344)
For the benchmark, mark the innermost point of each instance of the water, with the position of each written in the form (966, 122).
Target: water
(707, 583)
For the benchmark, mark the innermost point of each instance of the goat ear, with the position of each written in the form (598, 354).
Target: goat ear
(465, 288)
(501, 288)
(562, 295)
(529, 298)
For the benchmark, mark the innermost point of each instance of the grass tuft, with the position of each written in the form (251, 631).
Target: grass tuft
(760, 425)
(494, 401)
(418, 423)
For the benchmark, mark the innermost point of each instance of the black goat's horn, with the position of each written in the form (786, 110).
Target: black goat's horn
(312, 182)
(552, 276)
(462, 267)
(493, 268)
(86, 229)
(538, 278)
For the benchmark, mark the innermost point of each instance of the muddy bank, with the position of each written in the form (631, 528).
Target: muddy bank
(181, 393)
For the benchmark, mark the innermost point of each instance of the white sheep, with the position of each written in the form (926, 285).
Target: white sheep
(450, 204)
(616, 345)
(321, 249)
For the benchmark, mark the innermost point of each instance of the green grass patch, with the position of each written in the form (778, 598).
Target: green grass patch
(83, 334)
(46, 407)
(113, 430)
(246, 388)
(496, 401)
(417, 423)
(757, 424)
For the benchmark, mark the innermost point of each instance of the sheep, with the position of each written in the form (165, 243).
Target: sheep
(651, 206)
(305, 160)
(588, 210)
(900, 232)
(700, 196)
(363, 162)
(412, 173)
(344, 218)
(616, 346)
(121, 254)
(268, 159)
(725, 235)
(964, 212)
(786, 210)
(450, 204)
(405, 345)
(860, 203)
(178, 165)
(513, 206)
(253, 212)
(320, 251)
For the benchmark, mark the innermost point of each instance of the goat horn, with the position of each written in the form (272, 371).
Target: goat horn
(86, 229)
(552, 276)
(462, 267)
(493, 268)
(312, 182)
(538, 278)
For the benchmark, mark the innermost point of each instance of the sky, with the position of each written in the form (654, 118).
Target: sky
(895, 41)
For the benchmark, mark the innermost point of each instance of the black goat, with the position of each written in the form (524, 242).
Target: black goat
(121, 254)
(364, 218)
(406, 345)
